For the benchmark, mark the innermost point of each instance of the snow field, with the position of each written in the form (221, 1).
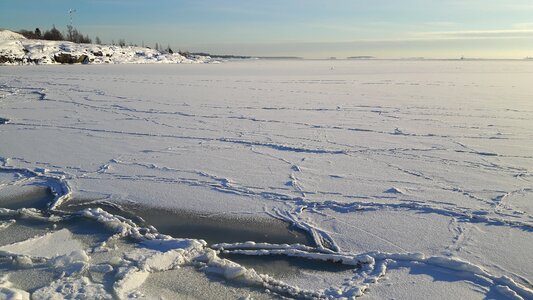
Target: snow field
(415, 174)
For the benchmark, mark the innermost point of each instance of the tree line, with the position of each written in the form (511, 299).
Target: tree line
(72, 35)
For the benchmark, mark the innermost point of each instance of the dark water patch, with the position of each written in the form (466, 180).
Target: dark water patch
(285, 266)
(24, 228)
(198, 225)
(26, 197)
(77, 204)
(86, 229)
(221, 228)
(29, 279)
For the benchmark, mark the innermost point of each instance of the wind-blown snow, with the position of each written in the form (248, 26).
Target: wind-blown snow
(399, 170)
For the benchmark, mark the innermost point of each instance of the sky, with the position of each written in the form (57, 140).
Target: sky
(309, 29)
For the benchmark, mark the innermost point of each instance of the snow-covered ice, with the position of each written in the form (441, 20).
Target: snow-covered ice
(415, 176)
(49, 245)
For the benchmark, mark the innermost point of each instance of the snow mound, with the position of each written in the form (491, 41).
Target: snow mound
(10, 35)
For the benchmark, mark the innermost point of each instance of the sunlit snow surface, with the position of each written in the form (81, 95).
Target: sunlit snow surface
(418, 174)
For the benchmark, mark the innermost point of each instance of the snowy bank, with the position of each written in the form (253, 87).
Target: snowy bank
(17, 50)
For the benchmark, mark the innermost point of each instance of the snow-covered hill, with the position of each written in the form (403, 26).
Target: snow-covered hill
(16, 49)
(10, 35)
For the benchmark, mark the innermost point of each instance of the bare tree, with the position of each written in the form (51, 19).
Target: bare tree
(98, 41)
(53, 34)
(71, 32)
(27, 34)
(75, 36)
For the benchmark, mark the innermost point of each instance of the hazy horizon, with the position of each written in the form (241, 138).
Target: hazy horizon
(308, 29)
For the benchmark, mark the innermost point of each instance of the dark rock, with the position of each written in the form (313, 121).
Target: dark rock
(66, 58)
(4, 59)
(84, 59)
(19, 60)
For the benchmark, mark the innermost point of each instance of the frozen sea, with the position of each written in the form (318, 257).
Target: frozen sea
(382, 179)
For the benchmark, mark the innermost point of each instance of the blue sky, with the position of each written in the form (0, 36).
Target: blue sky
(312, 28)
